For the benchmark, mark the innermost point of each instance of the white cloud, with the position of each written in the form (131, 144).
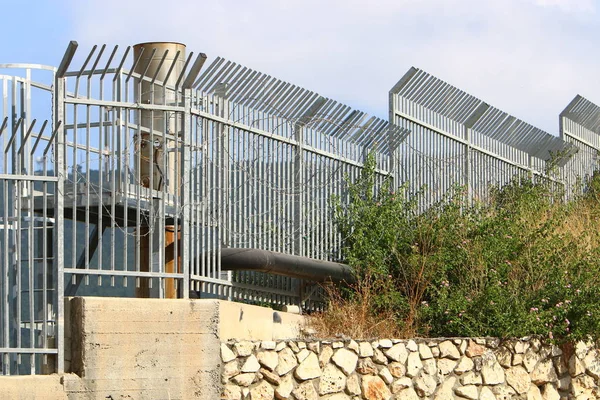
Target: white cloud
(569, 5)
(521, 57)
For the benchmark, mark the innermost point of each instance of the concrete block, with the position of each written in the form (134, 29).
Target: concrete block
(43, 387)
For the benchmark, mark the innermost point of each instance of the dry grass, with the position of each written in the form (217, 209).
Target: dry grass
(354, 317)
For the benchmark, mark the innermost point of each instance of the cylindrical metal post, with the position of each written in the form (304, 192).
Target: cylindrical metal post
(157, 163)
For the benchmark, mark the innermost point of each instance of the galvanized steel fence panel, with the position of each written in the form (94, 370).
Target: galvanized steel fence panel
(30, 301)
(580, 125)
(457, 140)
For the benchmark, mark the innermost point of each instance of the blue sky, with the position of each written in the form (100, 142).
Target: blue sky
(527, 57)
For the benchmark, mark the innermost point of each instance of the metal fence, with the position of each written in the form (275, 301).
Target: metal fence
(146, 169)
(148, 163)
(29, 285)
(458, 139)
(580, 125)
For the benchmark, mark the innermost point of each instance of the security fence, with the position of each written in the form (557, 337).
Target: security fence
(458, 139)
(143, 164)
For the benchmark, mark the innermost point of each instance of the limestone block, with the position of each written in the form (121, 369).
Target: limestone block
(305, 391)
(401, 384)
(486, 394)
(576, 366)
(226, 353)
(521, 347)
(365, 349)
(386, 375)
(425, 351)
(397, 352)
(374, 388)
(346, 360)
(379, 357)
(268, 345)
(445, 390)
(309, 368)
(244, 379)
(268, 359)
(471, 378)
(474, 349)
(544, 372)
(262, 391)
(411, 345)
(446, 366)
(504, 357)
(286, 385)
(408, 394)
(518, 379)
(469, 392)
(244, 348)
(251, 364)
(425, 385)
(550, 392)
(332, 380)
(449, 350)
(491, 371)
(517, 359)
(414, 365)
(232, 392)
(287, 361)
(270, 377)
(430, 366)
(397, 369)
(504, 392)
(534, 393)
(353, 385)
(314, 347)
(292, 345)
(464, 365)
(302, 354)
(325, 356)
(230, 369)
(280, 346)
(366, 366)
(592, 363)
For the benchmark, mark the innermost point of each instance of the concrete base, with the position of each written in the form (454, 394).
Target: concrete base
(42, 387)
(149, 348)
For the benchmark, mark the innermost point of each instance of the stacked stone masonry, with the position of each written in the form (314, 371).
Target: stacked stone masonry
(434, 369)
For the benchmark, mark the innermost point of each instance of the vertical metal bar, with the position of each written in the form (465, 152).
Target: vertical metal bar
(186, 193)
(59, 246)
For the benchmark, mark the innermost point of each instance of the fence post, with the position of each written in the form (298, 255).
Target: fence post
(61, 171)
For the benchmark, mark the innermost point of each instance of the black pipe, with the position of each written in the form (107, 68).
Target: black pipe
(284, 264)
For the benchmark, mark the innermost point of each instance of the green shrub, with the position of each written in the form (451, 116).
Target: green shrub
(524, 263)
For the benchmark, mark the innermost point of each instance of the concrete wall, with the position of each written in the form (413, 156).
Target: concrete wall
(144, 348)
(148, 348)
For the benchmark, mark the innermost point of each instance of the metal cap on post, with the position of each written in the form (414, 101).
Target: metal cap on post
(160, 66)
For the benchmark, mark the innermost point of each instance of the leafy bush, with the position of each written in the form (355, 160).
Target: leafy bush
(524, 263)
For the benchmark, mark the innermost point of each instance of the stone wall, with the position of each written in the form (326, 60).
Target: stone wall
(439, 369)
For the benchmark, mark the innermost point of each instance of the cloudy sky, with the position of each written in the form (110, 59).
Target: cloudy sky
(527, 57)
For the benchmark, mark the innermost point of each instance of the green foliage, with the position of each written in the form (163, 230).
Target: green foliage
(524, 263)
